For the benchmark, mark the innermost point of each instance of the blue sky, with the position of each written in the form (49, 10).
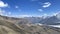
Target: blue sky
(22, 8)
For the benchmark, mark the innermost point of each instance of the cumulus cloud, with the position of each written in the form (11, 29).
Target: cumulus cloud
(40, 10)
(2, 4)
(46, 4)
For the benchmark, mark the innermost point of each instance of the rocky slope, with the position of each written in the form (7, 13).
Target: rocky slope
(8, 26)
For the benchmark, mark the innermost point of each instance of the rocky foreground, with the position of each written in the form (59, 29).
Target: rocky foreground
(10, 26)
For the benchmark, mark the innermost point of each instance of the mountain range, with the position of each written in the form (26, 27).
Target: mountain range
(29, 25)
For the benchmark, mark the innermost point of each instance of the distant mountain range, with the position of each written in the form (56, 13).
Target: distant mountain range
(27, 25)
(52, 20)
(49, 20)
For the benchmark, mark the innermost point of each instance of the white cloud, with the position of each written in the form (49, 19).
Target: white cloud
(2, 4)
(40, 10)
(16, 7)
(4, 13)
(45, 14)
(46, 4)
(19, 16)
(25, 16)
